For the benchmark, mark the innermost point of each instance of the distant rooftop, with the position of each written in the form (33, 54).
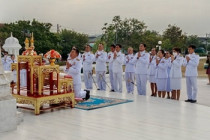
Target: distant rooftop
(93, 38)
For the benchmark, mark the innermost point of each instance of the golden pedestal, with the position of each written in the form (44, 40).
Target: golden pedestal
(44, 86)
(38, 102)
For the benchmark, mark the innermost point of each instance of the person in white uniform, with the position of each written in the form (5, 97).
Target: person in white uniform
(88, 58)
(161, 74)
(73, 68)
(117, 61)
(100, 59)
(111, 55)
(142, 62)
(191, 62)
(151, 72)
(6, 61)
(129, 70)
(176, 73)
(168, 60)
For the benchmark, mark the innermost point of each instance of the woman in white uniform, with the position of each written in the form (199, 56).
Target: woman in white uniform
(176, 73)
(161, 74)
(151, 72)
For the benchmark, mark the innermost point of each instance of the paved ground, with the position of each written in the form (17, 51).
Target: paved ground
(203, 97)
(146, 118)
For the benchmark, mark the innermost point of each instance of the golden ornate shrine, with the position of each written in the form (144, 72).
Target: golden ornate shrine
(43, 84)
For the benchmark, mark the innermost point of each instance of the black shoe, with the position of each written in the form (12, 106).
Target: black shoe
(152, 94)
(193, 101)
(112, 90)
(98, 89)
(87, 94)
(188, 100)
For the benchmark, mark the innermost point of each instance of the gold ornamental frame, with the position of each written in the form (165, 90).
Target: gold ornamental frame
(36, 74)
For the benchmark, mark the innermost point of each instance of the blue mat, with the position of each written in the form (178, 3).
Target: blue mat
(96, 102)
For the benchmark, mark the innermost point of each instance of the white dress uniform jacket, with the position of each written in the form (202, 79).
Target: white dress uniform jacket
(101, 60)
(129, 63)
(142, 63)
(75, 72)
(117, 63)
(88, 61)
(176, 65)
(191, 66)
(161, 69)
(152, 66)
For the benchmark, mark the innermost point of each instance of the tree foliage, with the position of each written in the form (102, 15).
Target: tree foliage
(127, 32)
(44, 39)
(71, 38)
(173, 37)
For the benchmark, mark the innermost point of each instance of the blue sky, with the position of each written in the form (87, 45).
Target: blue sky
(88, 16)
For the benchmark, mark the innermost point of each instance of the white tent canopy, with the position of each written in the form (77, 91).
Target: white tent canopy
(12, 45)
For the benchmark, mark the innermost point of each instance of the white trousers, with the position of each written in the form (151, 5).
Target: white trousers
(111, 78)
(129, 80)
(117, 82)
(192, 89)
(141, 81)
(100, 77)
(88, 79)
(79, 93)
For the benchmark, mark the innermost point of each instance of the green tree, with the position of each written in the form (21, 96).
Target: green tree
(151, 38)
(174, 36)
(127, 32)
(71, 38)
(44, 39)
(193, 39)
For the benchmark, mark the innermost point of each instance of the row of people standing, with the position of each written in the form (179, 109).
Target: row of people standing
(136, 68)
(162, 70)
(165, 73)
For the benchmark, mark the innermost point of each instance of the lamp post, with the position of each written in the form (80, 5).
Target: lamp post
(207, 37)
(159, 45)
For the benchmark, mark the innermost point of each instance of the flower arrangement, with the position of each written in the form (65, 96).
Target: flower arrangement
(52, 54)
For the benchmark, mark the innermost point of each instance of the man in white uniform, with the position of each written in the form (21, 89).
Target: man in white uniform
(191, 62)
(111, 55)
(88, 59)
(151, 72)
(117, 61)
(73, 68)
(129, 70)
(142, 61)
(100, 59)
